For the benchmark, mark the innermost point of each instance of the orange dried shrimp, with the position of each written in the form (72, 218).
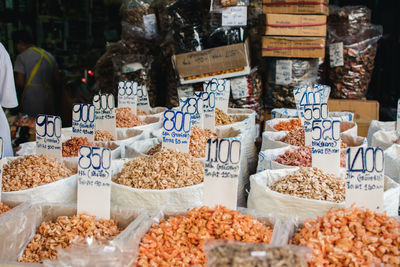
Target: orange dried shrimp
(71, 147)
(4, 208)
(126, 119)
(287, 125)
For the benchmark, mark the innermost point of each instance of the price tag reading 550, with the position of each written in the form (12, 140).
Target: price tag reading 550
(48, 136)
(326, 145)
(94, 181)
(176, 130)
(83, 121)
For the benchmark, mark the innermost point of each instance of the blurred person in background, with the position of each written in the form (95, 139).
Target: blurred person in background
(36, 76)
(8, 99)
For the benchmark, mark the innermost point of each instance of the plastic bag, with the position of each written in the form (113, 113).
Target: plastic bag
(385, 139)
(350, 16)
(350, 78)
(217, 5)
(392, 162)
(222, 36)
(377, 126)
(225, 253)
(277, 113)
(286, 74)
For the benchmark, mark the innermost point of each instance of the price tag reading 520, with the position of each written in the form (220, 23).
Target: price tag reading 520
(48, 136)
(83, 116)
(94, 181)
(176, 130)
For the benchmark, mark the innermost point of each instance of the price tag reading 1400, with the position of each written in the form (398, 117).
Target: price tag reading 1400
(94, 181)
(365, 177)
(221, 172)
(83, 121)
(48, 136)
(176, 130)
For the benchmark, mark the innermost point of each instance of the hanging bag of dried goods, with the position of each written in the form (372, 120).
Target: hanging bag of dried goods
(385, 139)
(351, 59)
(307, 192)
(377, 126)
(392, 162)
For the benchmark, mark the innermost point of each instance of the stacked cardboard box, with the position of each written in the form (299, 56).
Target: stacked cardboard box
(295, 28)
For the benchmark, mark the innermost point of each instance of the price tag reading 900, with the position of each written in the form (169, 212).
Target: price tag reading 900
(83, 113)
(104, 102)
(48, 126)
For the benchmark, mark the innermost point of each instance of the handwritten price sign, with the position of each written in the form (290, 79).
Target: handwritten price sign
(221, 88)
(193, 106)
(365, 177)
(105, 113)
(208, 109)
(83, 117)
(143, 98)
(48, 136)
(310, 113)
(127, 95)
(176, 130)
(94, 181)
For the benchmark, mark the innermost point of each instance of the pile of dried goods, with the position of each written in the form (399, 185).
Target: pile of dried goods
(351, 237)
(3, 207)
(311, 183)
(71, 147)
(154, 150)
(198, 141)
(178, 241)
(221, 118)
(287, 125)
(103, 136)
(163, 170)
(141, 112)
(32, 171)
(60, 234)
(126, 119)
(294, 137)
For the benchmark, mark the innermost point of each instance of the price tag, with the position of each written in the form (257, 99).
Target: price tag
(48, 136)
(234, 16)
(221, 172)
(150, 26)
(365, 177)
(326, 145)
(105, 113)
(94, 181)
(310, 113)
(193, 106)
(185, 91)
(398, 117)
(283, 73)
(336, 54)
(176, 130)
(221, 88)
(83, 121)
(1, 164)
(239, 88)
(208, 110)
(143, 98)
(127, 95)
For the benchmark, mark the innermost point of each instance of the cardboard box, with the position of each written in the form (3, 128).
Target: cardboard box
(296, 7)
(364, 111)
(219, 62)
(295, 25)
(302, 47)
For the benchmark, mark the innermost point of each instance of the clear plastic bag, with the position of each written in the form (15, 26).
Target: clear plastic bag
(224, 253)
(351, 16)
(217, 5)
(350, 80)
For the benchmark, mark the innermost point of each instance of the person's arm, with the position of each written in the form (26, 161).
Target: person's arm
(8, 97)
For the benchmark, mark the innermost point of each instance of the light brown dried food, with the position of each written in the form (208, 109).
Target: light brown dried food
(141, 112)
(198, 141)
(71, 147)
(126, 119)
(221, 118)
(154, 150)
(236, 254)
(3, 208)
(103, 136)
(178, 241)
(311, 183)
(32, 171)
(226, 3)
(60, 234)
(163, 170)
(294, 137)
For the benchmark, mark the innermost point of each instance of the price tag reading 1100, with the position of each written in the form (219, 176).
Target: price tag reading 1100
(94, 181)
(48, 136)
(221, 172)
(176, 130)
(83, 116)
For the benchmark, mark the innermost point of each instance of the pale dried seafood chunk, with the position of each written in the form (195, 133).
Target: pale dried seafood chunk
(71, 147)
(126, 119)
(103, 136)
(198, 141)
(221, 118)
(3, 207)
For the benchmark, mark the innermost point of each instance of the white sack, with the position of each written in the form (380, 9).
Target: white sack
(379, 125)
(392, 162)
(292, 113)
(384, 139)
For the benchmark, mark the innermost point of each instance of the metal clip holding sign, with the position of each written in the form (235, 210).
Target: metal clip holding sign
(221, 172)
(94, 181)
(105, 113)
(176, 130)
(48, 136)
(365, 177)
(83, 118)
(127, 95)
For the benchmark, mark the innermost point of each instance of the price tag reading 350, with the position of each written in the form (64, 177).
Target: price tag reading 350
(221, 172)
(326, 145)
(94, 181)
(83, 116)
(193, 106)
(127, 95)
(365, 177)
(105, 113)
(48, 136)
(222, 89)
(176, 130)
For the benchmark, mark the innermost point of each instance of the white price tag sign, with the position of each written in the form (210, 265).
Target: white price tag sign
(208, 110)
(310, 113)
(1, 164)
(105, 113)
(239, 87)
(193, 106)
(398, 117)
(83, 116)
(365, 178)
(234, 16)
(336, 54)
(283, 72)
(221, 172)
(143, 98)
(326, 145)
(185, 91)
(48, 136)
(176, 130)
(94, 181)
(150, 25)
(127, 95)
(221, 88)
